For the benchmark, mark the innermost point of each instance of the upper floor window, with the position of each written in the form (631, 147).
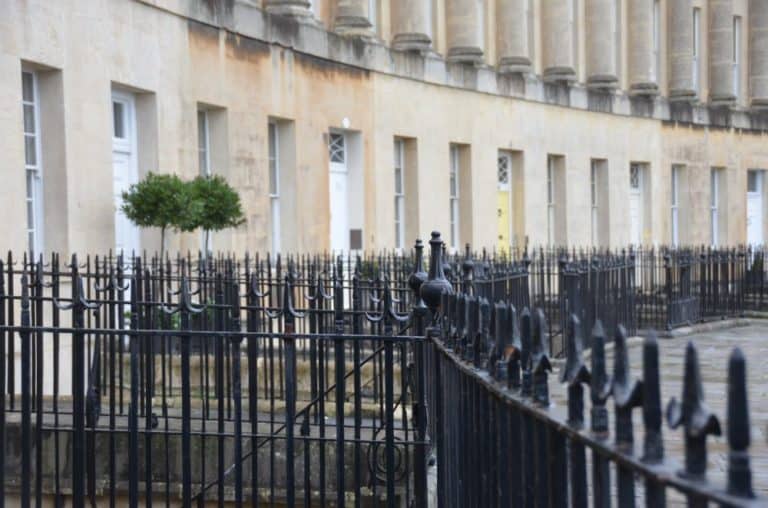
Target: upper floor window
(372, 14)
(696, 46)
(736, 56)
(656, 39)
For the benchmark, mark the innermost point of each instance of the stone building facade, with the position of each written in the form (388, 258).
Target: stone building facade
(366, 123)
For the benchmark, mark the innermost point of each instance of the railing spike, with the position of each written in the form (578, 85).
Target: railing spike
(695, 417)
(540, 364)
(739, 472)
(600, 386)
(627, 392)
(653, 447)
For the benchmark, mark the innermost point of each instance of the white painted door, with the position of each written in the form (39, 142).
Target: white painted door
(339, 200)
(755, 208)
(635, 205)
(124, 168)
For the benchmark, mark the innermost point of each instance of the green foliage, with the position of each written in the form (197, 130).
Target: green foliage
(166, 202)
(217, 204)
(161, 201)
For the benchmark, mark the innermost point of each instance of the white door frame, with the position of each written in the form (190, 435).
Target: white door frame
(752, 196)
(125, 146)
(636, 193)
(338, 170)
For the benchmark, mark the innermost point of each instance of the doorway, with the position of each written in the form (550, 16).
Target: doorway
(755, 207)
(124, 168)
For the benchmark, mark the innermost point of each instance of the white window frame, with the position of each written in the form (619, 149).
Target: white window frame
(657, 40)
(203, 143)
(675, 205)
(696, 78)
(573, 19)
(551, 200)
(737, 56)
(274, 185)
(617, 15)
(714, 188)
(372, 14)
(399, 192)
(594, 200)
(33, 170)
(453, 183)
(204, 166)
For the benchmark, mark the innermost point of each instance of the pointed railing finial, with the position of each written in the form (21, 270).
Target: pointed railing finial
(653, 445)
(695, 417)
(437, 284)
(575, 372)
(600, 386)
(526, 339)
(627, 392)
(540, 364)
(739, 472)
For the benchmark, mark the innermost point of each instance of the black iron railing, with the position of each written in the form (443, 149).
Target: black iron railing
(320, 380)
(499, 442)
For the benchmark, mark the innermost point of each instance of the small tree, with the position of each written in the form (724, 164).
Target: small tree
(161, 201)
(217, 205)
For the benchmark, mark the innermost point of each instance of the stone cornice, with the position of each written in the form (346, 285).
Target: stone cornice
(244, 18)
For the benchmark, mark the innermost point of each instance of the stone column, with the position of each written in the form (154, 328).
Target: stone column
(513, 36)
(464, 20)
(352, 18)
(601, 20)
(680, 32)
(412, 25)
(293, 8)
(758, 53)
(721, 52)
(641, 64)
(557, 36)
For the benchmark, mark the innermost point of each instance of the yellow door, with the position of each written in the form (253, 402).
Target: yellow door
(502, 205)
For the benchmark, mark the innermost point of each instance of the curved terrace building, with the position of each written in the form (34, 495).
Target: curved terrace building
(361, 124)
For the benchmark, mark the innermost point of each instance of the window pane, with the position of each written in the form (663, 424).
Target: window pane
(503, 170)
(674, 186)
(29, 119)
(118, 120)
(27, 87)
(202, 130)
(30, 153)
(272, 140)
(398, 181)
(203, 162)
(752, 181)
(550, 184)
(336, 148)
(30, 184)
(273, 177)
(30, 214)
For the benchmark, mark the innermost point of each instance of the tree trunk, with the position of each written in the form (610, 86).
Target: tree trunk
(162, 244)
